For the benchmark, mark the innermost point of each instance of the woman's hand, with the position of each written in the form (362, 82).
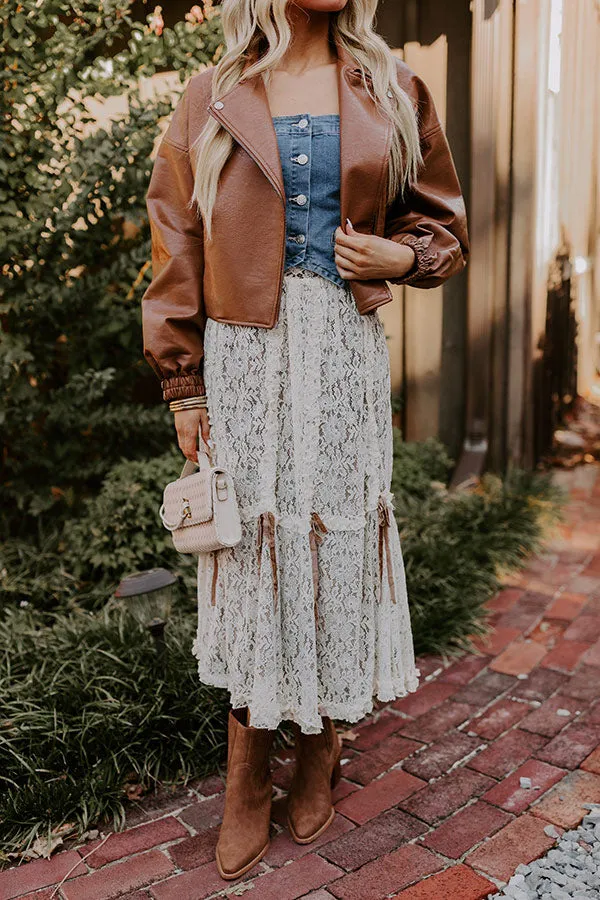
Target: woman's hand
(188, 422)
(363, 256)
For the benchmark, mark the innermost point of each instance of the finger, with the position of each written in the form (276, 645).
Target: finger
(355, 240)
(348, 274)
(347, 264)
(204, 426)
(351, 256)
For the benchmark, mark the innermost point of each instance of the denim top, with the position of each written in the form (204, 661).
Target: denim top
(309, 147)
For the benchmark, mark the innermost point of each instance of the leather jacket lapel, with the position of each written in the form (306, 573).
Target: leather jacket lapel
(244, 112)
(365, 141)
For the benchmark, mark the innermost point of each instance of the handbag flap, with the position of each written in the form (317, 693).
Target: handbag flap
(189, 501)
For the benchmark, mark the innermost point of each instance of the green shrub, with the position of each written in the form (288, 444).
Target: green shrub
(76, 396)
(86, 708)
(117, 532)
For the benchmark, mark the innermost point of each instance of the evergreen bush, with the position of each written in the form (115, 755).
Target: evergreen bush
(76, 396)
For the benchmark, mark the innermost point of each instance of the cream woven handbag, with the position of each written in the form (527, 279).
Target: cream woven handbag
(200, 509)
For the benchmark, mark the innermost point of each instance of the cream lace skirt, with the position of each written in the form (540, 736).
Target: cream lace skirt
(308, 614)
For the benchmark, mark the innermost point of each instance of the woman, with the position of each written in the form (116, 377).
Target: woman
(296, 178)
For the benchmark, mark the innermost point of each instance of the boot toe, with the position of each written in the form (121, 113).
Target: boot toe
(234, 860)
(309, 824)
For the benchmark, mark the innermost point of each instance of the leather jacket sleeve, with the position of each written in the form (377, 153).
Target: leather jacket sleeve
(431, 216)
(173, 316)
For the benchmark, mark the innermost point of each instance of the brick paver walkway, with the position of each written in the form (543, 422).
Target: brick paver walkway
(431, 805)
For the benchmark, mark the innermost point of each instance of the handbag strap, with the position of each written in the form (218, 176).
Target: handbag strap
(204, 459)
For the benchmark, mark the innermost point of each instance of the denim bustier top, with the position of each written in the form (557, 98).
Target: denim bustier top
(309, 147)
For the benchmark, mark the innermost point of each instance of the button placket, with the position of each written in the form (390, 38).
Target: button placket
(298, 201)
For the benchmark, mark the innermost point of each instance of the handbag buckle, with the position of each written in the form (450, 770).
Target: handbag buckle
(221, 487)
(187, 510)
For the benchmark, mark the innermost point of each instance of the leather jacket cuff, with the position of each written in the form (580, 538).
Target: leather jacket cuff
(425, 261)
(178, 387)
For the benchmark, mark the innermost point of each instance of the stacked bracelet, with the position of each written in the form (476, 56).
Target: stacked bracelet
(189, 403)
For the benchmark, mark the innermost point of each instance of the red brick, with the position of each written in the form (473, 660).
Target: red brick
(465, 829)
(585, 584)
(427, 665)
(583, 685)
(206, 814)
(548, 632)
(566, 606)
(591, 657)
(283, 848)
(445, 796)
(541, 588)
(509, 794)
(526, 611)
(499, 718)
(593, 568)
(115, 880)
(375, 730)
(545, 719)
(591, 716)
(565, 655)
(213, 784)
(496, 640)
(505, 599)
(295, 880)
(425, 698)
(342, 789)
(507, 753)
(438, 721)
(386, 791)
(592, 763)
(540, 685)
(520, 841)
(389, 873)
(196, 884)
(519, 658)
(381, 835)
(364, 767)
(463, 670)
(39, 873)
(458, 881)
(486, 687)
(134, 840)
(584, 628)
(45, 894)
(195, 851)
(563, 804)
(321, 894)
(571, 746)
(438, 758)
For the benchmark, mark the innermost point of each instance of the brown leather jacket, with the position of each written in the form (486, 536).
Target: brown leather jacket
(237, 276)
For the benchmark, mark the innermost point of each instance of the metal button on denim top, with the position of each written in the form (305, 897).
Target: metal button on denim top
(309, 147)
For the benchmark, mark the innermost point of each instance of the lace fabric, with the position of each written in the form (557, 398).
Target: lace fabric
(307, 622)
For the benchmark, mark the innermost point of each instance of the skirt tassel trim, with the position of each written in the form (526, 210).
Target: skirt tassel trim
(215, 578)
(385, 513)
(266, 530)
(315, 537)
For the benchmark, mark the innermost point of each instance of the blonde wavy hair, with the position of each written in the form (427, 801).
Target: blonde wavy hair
(259, 31)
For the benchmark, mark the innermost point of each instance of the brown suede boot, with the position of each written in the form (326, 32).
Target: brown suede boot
(244, 835)
(309, 807)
